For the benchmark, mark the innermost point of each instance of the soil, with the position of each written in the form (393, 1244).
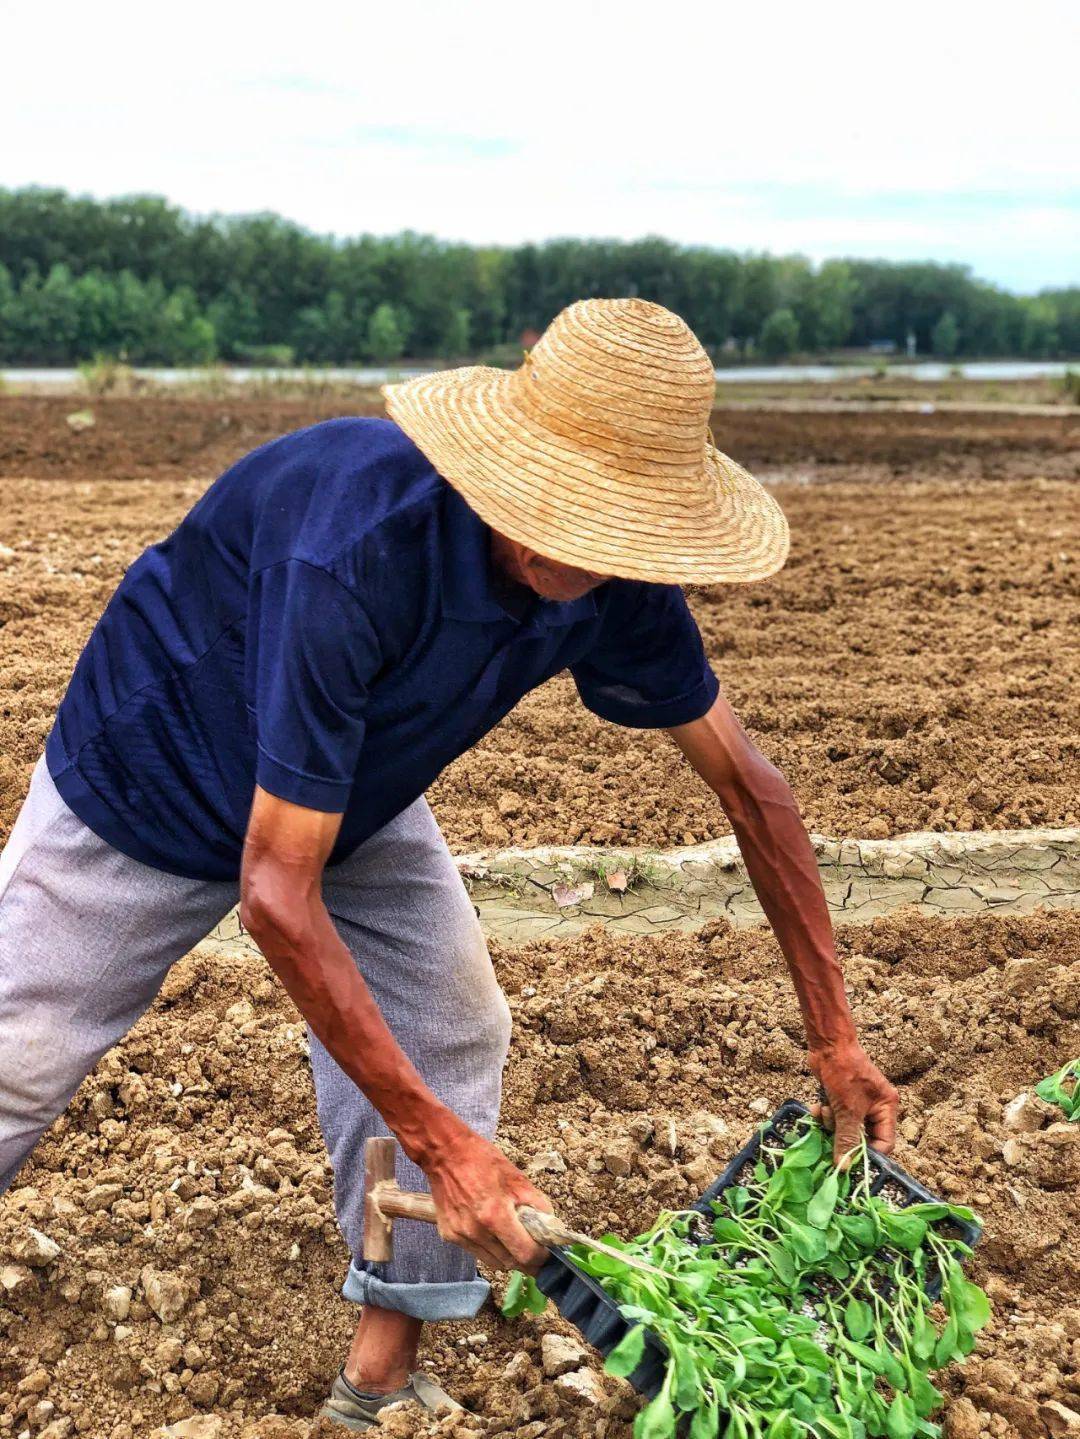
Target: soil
(915, 666)
(188, 1195)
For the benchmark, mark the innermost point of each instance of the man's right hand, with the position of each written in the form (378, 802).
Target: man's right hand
(477, 1192)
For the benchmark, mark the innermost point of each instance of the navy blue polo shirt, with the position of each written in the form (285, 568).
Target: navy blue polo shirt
(326, 623)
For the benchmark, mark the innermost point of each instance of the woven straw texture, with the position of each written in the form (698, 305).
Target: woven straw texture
(597, 452)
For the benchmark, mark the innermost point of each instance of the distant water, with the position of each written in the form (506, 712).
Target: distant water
(923, 370)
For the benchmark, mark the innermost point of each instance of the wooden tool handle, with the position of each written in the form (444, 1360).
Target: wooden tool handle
(394, 1203)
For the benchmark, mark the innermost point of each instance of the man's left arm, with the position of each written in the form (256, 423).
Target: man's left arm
(783, 869)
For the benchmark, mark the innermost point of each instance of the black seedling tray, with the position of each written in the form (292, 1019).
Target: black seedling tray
(582, 1300)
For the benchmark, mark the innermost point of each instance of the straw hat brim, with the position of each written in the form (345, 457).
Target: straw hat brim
(572, 501)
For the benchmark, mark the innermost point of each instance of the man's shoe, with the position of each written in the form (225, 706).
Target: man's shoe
(353, 1409)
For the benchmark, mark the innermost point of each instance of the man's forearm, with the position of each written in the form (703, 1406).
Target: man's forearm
(316, 968)
(783, 869)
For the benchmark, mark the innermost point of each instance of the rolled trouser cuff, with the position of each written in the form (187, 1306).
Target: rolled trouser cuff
(459, 1299)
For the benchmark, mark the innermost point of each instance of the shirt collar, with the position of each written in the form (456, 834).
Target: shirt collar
(468, 589)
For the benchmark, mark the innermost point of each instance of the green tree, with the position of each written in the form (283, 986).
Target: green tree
(1039, 335)
(945, 336)
(832, 295)
(780, 334)
(455, 339)
(7, 309)
(385, 340)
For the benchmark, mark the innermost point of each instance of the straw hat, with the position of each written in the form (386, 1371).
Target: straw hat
(597, 451)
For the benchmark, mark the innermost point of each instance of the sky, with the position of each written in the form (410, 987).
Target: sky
(946, 131)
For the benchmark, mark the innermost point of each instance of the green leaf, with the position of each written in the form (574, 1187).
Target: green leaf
(858, 1318)
(800, 1186)
(727, 1231)
(893, 1371)
(514, 1299)
(783, 1263)
(627, 1354)
(687, 1383)
(861, 1229)
(805, 1151)
(923, 1336)
(867, 1357)
(809, 1244)
(706, 1422)
(535, 1298)
(781, 1426)
(970, 1305)
(764, 1325)
(808, 1353)
(946, 1350)
(656, 1420)
(901, 1418)
(822, 1204)
(906, 1231)
(924, 1396)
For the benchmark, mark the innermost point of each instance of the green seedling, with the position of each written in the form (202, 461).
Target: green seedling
(1063, 1089)
(800, 1308)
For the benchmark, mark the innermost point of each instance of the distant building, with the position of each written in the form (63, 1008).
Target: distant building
(883, 347)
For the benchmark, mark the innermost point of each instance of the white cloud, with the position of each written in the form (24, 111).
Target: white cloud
(777, 127)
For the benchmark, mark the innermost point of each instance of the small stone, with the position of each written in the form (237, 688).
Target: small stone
(476, 1341)
(36, 1382)
(560, 1354)
(34, 1248)
(199, 1426)
(1011, 1152)
(397, 1421)
(549, 1161)
(1027, 1113)
(203, 1389)
(16, 1279)
(1059, 1419)
(201, 1213)
(618, 1159)
(566, 895)
(122, 1332)
(582, 1389)
(760, 1106)
(102, 1196)
(641, 1129)
(240, 1013)
(41, 1413)
(169, 1352)
(166, 1294)
(61, 1428)
(962, 1420)
(116, 1302)
(519, 1369)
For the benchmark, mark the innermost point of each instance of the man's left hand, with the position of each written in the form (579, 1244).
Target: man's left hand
(857, 1094)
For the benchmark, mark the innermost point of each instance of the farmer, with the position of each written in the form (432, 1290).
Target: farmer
(270, 692)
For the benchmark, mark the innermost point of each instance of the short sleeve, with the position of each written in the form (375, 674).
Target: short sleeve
(647, 668)
(315, 656)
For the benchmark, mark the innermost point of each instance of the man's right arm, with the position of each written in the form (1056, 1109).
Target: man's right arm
(475, 1187)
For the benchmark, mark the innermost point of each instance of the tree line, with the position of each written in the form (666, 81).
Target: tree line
(142, 280)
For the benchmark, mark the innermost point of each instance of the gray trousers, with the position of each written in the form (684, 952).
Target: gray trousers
(87, 936)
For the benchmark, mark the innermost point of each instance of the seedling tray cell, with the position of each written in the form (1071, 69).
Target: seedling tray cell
(581, 1299)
